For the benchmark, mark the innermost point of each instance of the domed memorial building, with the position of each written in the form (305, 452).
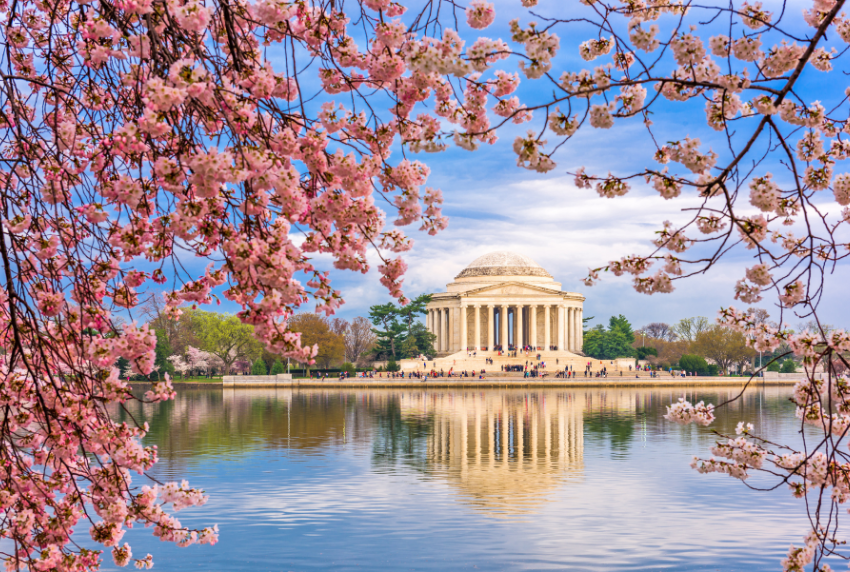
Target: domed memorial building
(501, 302)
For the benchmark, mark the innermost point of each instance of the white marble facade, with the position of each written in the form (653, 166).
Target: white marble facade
(503, 300)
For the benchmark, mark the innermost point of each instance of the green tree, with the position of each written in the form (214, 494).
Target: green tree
(724, 346)
(788, 366)
(226, 337)
(622, 325)
(410, 312)
(259, 367)
(349, 368)
(122, 364)
(277, 367)
(392, 365)
(613, 343)
(645, 351)
(163, 350)
(386, 317)
(399, 333)
(694, 363)
(419, 341)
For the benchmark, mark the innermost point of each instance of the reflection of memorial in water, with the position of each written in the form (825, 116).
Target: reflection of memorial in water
(505, 451)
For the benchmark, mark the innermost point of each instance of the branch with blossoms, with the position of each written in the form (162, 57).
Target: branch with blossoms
(252, 136)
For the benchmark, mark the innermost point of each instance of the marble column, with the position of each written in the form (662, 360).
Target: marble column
(580, 329)
(477, 343)
(569, 328)
(446, 340)
(574, 330)
(518, 318)
(533, 337)
(464, 342)
(452, 337)
(438, 330)
(491, 327)
(547, 340)
(503, 318)
(560, 327)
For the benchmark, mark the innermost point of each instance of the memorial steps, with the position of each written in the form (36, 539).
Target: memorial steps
(555, 361)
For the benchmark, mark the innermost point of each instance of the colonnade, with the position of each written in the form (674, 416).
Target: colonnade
(506, 326)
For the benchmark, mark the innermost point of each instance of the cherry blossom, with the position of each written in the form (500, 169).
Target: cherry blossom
(480, 14)
(142, 134)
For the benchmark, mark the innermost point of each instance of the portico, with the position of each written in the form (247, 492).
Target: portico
(504, 301)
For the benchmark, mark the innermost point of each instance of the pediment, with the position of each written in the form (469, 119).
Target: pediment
(511, 289)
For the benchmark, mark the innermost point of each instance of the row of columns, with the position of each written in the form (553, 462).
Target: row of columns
(568, 327)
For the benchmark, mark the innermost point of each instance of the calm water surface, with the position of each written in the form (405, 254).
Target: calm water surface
(579, 479)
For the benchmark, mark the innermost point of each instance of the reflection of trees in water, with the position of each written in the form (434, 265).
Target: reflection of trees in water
(209, 423)
(435, 431)
(619, 415)
(397, 437)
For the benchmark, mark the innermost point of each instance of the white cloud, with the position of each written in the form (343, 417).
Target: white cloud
(566, 230)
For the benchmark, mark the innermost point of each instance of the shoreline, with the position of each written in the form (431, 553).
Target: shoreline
(494, 383)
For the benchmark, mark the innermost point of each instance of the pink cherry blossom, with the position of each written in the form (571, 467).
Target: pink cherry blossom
(480, 14)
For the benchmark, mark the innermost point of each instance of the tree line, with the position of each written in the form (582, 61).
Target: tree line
(203, 343)
(690, 343)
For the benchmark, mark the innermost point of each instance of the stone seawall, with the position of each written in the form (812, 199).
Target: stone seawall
(496, 382)
(279, 380)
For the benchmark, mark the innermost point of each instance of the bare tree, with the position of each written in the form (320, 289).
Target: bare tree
(359, 338)
(689, 328)
(815, 326)
(659, 331)
(760, 316)
(339, 326)
(179, 333)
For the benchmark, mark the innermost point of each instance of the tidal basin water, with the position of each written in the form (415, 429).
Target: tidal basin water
(573, 479)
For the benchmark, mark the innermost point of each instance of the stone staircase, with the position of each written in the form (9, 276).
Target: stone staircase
(554, 361)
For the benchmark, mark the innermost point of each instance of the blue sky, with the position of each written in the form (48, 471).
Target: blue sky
(494, 205)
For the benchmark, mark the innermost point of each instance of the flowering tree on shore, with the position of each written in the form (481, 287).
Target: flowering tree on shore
(141, 135)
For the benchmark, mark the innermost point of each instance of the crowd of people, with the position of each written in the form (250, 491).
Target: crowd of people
(423, 375)
(529, 370)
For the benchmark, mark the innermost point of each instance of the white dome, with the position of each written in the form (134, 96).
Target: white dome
(503, 264)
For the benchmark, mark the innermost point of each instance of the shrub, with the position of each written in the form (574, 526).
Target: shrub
(259, 367)
(392, 365)
(788, 366)
(277, 367)
(694, 363)
(774, 366)
(643, 352)
(349, 368)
